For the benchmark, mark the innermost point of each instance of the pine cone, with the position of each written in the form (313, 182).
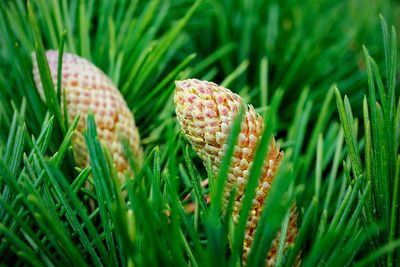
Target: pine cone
(88, 88)
(206, 113)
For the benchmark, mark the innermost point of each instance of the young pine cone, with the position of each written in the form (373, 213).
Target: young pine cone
(206, 113)
(87, 88)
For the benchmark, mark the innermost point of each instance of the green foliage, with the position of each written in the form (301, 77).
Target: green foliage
(380, 167)
(294, 44)
(289, 58)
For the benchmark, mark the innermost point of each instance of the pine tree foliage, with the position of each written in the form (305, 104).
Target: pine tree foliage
(293, 62)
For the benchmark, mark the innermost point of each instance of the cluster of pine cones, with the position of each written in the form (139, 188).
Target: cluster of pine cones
(205, 112)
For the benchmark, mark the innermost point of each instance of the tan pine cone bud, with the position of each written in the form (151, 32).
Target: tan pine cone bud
(206, 113)
(87, 88)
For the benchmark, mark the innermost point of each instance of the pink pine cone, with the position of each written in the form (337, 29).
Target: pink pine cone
(88, 88)
(206, 113)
